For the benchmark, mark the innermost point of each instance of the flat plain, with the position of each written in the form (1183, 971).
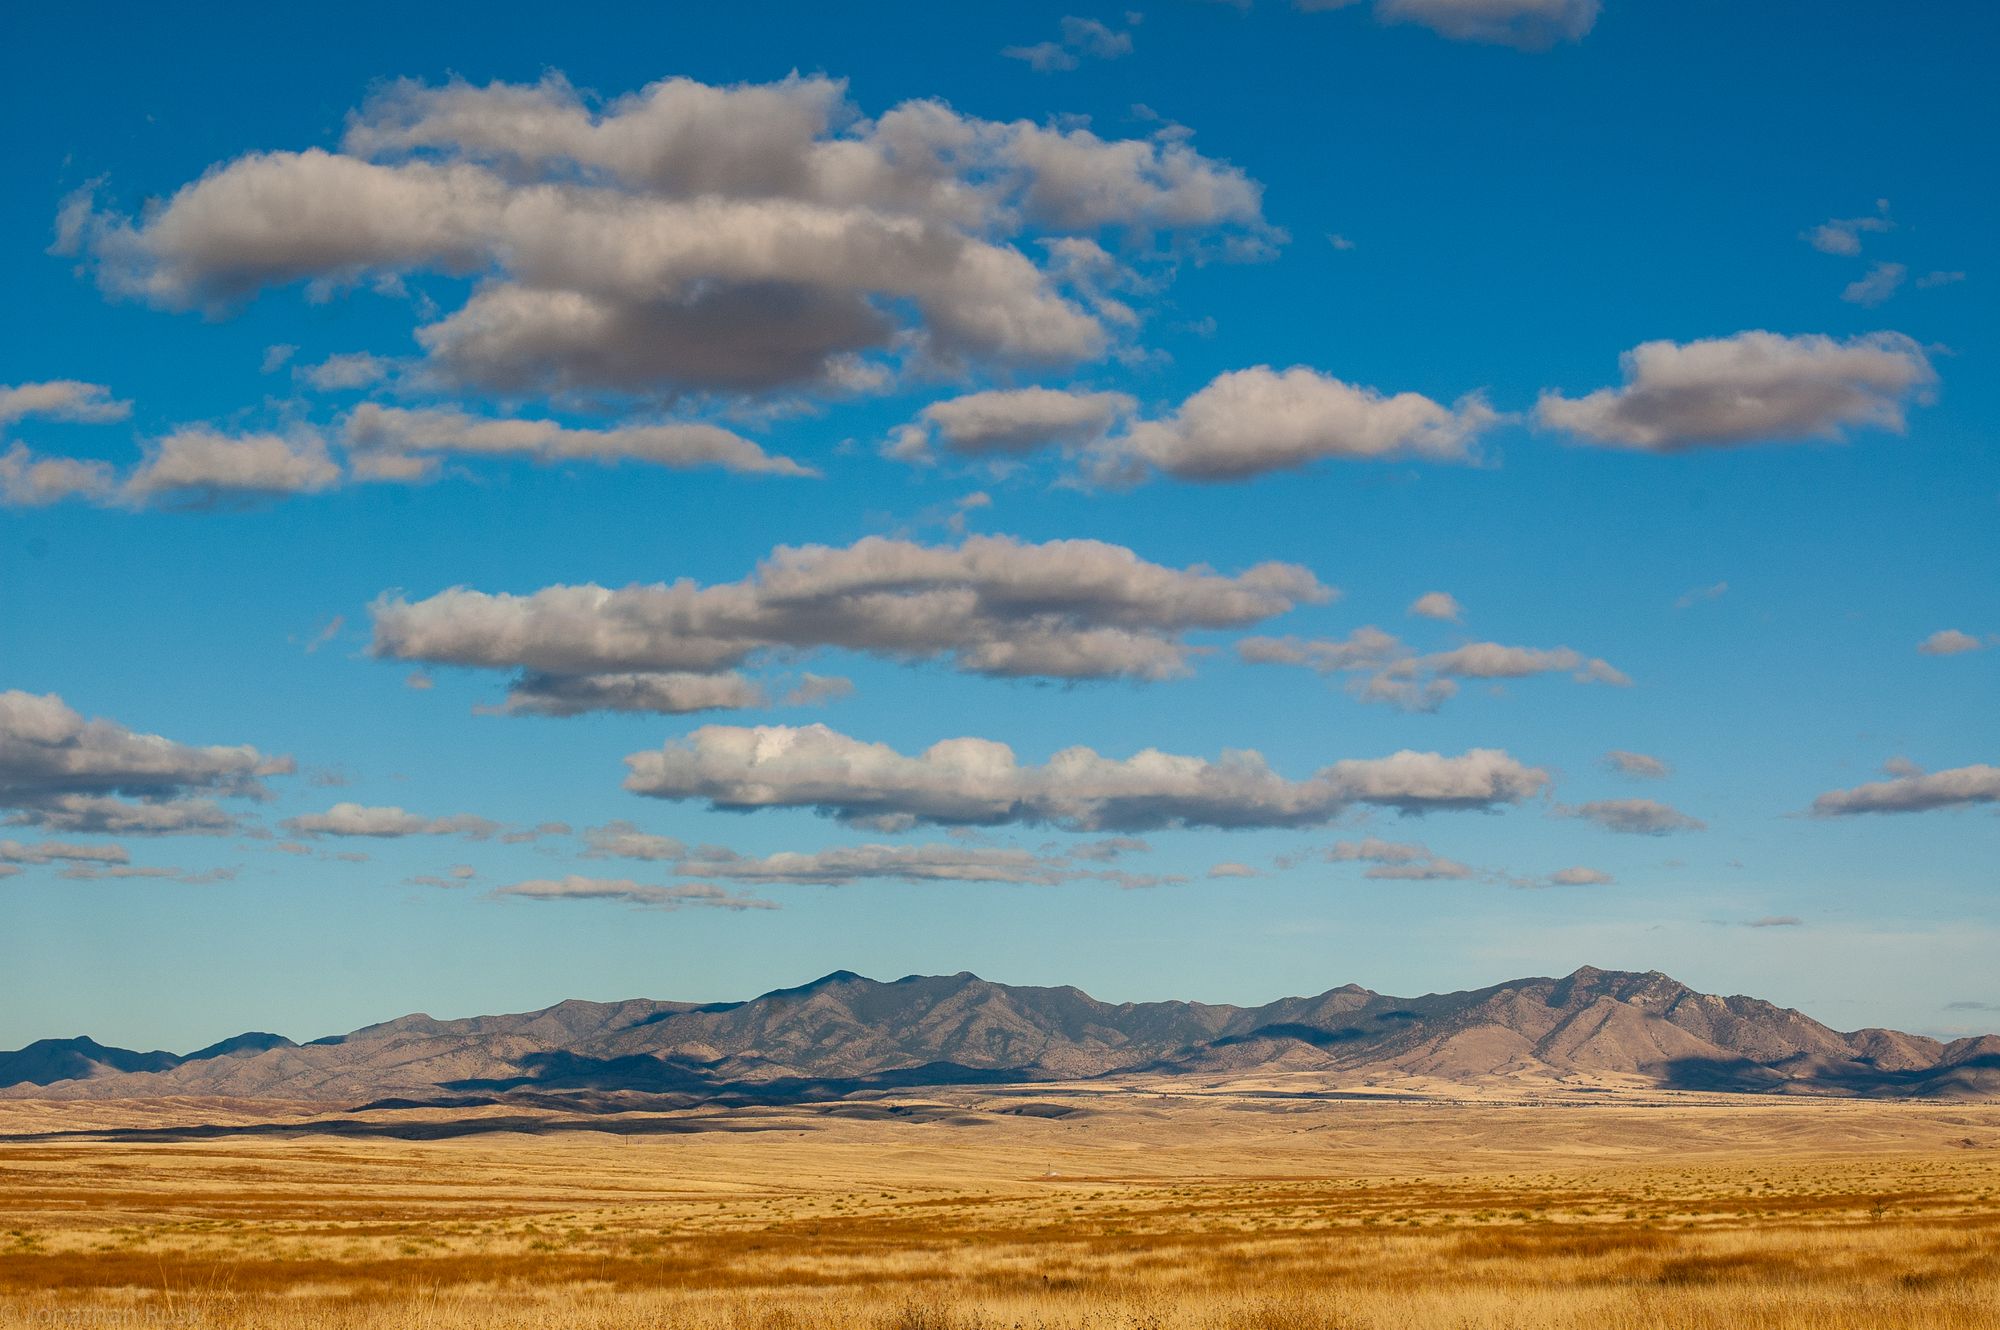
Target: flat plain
(1263, 1203)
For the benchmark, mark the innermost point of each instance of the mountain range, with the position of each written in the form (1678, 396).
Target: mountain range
(844, 1032)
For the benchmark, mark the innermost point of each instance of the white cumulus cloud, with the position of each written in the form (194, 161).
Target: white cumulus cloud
(1753, 387)
(61, 772)
(1009, 422)
(61, 399)
(1437, 605)
(979, 782)
(1075, 609)
(1253, 421)
(685, 237)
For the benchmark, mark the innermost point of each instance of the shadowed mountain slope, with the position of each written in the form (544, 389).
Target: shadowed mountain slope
(845, 1032)
(51, 1061)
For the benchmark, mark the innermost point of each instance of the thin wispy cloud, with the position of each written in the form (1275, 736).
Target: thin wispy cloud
(1391, 672)
(625, 891)
(1077, 40)
(1877, 286)
(1643, 765)
(1527, 25)
(1633, 817)
(1950, 642)
(1842, 235)
(1694, 596)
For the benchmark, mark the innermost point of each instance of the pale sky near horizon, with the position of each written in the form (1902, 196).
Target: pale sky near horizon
(1215, 501)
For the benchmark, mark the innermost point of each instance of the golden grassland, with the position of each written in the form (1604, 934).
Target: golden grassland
(1136, 1207)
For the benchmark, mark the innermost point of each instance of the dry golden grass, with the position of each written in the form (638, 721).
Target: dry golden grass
(1147, 1210)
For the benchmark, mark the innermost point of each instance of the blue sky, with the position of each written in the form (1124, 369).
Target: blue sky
(1294, 283)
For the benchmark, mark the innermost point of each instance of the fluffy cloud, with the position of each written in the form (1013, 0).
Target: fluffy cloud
(1437, 605)
(1491, 660)
(351, 819)
(195, 464)
(1252, 421)
(1628, 763)
(61, 399)
(1080, 39)
(1398, 676)
(1527, 25)
(1075, 609)
(1242, 424)
(1635, 817)
(100, 814)
(1395, 861)
(396, 443)
(1753, 387)
(1917, 792)
(736, 238)
(1009, 422)
(30, 481)
(1950, 642)
(60, 772)
(686, 895)
(979, 782)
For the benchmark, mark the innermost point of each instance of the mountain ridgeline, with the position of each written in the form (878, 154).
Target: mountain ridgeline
(845, 1033)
